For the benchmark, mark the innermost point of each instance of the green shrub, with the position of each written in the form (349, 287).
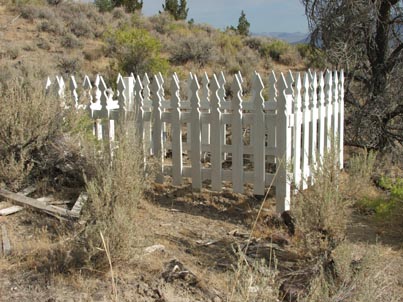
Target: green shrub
(135, 50)
(196, 48)
(274, 49)
(116, 190)
(313, 56)
(70, 41)
(31, 131)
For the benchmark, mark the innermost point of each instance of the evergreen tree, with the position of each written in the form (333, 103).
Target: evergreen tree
(129, 5)
(182, 10)
(178, 11)
(243, 25)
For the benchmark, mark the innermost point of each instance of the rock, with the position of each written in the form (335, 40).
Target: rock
(154, 248)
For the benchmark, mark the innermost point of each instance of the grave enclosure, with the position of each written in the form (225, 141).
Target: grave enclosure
(274, 135)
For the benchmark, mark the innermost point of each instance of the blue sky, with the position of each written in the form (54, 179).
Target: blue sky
(264, 15)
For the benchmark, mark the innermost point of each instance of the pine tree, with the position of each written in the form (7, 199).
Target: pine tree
(130, 5)
(178, 11)
(243, 25)
(182, 11)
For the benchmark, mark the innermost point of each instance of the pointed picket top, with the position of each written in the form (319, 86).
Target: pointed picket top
(146, 84)
(282, 88)
(314, 85)
(335, 79)
(240, 78)
(61, 86)
(221, 79)
(298, 88)
(120, 84)
(138, 86)
(138, 98)
(174, 92)
(132, 75)
(121, 87)
(257, 83)
(310, 73)
(103, 97)
(119, 78)
(156, 86)
(73, 83)
(321, 84)
(257, 88)
(205, 86)
(273, 93)
(73, 90)
(305, 103)
(87, 83)
(48, 83)
(342, 76)
(161, 81)
(97, 80)
(237, 91)
(215, 99)
(290, 82)
(176, 77)
(328, 77)
(194, 88)
(328, 85)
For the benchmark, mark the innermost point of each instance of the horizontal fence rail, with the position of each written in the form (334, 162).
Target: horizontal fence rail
(273, 135)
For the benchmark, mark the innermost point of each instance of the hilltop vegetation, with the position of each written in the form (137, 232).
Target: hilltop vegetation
(78, 39)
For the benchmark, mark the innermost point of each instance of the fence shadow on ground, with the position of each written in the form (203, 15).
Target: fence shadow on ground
(225, 206)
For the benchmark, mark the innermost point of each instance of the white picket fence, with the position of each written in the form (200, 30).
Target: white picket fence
(274, 137)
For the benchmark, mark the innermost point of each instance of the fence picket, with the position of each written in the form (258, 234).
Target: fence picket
(328, 98)
(216, 136)
(176, 133)
(297, 132)
(258, 134)
(305, 142)
(237, 138)
(341, 123)
(195, 133)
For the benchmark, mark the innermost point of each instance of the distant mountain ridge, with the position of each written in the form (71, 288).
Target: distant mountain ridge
(295, 37)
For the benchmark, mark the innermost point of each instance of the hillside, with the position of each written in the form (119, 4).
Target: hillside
(136, 240)
(74, 39)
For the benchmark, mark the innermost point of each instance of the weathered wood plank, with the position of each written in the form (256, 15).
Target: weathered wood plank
(10, 210)
(6, 241)
(39, 205)
(81, 200)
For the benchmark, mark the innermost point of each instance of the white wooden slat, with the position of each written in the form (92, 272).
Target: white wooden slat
(237, 139)
(335, 109)
(328, 100)
(305, 141)
(176, 133)
(297, 175)
(341, 125)
(313, 133)
(157, 146)
(258, 135)
(195, 134)
(322, 115)
(216, 136)
(283, 189)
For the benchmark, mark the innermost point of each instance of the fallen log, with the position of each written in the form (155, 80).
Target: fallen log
(38, 205)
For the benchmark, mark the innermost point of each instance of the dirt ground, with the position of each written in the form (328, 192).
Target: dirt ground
(194, 238)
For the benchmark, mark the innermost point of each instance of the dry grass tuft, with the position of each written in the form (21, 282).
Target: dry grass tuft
(253, 280)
